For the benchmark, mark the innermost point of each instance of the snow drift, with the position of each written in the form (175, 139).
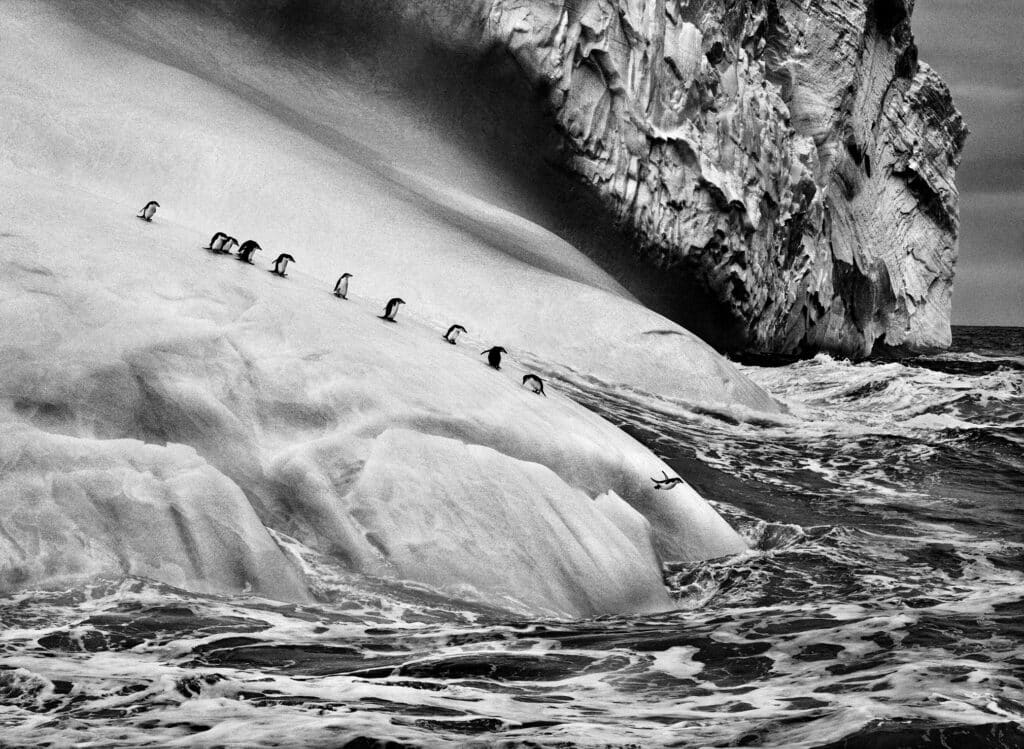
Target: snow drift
(162, 406)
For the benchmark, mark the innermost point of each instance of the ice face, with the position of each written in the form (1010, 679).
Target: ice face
(76, 507)
(474, 522)
(163, 407)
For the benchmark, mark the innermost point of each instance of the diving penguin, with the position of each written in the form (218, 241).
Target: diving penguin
(391, 309)
(494, 356)
(146, 214)
(666, 482)
(341, 288)
(281, 264)
(535, 383)
(453, 333)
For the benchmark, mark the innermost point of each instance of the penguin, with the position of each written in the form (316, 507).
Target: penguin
(494, 356)
(281, 264)
(341, 288)
(229, 244)
(217, 241)
(146, 214)
(666, 482)
(453, 333)
(246, 250)
(391, 309)
(535, 383)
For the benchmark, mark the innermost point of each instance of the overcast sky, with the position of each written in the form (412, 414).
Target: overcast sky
(977, 48)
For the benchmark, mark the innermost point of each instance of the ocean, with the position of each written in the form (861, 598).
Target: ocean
(881, 603)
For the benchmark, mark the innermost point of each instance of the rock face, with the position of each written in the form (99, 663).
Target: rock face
(795, 157)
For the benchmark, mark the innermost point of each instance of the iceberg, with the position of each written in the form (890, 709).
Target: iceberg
(164, 410)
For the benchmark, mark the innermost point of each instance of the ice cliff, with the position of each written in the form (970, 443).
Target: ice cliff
(171, 413)
(787, 165)
(796, 157)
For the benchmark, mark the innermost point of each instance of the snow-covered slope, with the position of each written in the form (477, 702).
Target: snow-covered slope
(162, 407)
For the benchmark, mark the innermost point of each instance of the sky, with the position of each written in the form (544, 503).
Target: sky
(976, 48)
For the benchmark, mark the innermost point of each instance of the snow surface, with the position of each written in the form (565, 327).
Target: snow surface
(161, 406)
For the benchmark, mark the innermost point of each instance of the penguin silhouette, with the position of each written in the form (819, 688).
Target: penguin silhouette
(146, 214)
(494, 356)
(453, 333)
(281, 264)
(229, 244)
(341, 287)
(247, 249)
(535, 383)
(391, 309)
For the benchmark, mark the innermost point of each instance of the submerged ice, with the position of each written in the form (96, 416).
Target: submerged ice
(168, 413)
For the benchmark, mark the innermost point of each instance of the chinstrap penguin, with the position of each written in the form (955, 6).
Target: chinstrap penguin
(453, 333)
(666, 482)
(281, 264)
(535, 383)
(247, 249)
(341, 287)
(494, 356)
(146, 214)
(391, 309)
(216, 241)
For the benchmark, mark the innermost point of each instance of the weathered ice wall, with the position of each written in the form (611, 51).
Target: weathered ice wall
(795, 156)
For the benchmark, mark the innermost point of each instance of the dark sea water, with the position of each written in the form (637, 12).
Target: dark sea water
(881, 605)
